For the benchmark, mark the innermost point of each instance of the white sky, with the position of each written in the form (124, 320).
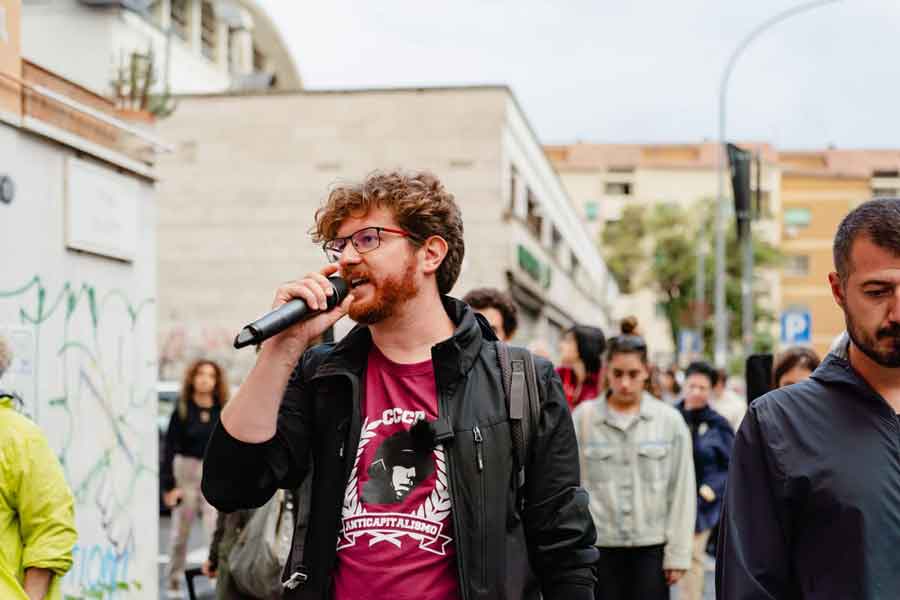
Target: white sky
(624, 70)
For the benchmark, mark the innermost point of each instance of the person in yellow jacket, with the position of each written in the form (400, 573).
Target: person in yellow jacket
(37, 516)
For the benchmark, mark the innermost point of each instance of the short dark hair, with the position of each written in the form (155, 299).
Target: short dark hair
(795, 356)
(702, 368)
(877, 220)
(627, 344)
(591, 343)
(486, 297)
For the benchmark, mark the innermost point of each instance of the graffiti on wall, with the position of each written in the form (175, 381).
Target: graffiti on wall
(86, 371)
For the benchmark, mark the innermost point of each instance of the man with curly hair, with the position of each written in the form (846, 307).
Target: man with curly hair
(412, 401)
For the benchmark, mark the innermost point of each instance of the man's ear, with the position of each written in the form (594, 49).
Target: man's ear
(837, 288)
(434, 250)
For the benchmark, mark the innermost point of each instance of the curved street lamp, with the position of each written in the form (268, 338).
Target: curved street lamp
(721, 322)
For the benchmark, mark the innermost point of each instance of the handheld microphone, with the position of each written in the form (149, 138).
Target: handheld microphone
(288, 314)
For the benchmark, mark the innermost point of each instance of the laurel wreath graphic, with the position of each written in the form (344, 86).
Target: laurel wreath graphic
(436, 507)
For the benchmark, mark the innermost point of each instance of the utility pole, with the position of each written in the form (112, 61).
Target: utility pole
(721, 316)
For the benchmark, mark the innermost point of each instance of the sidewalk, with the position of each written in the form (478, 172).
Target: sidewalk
(197, 553)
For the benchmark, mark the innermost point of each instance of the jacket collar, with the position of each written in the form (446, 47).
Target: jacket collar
(452, 357)
(645, 413)
(701, 414)
(837, 371)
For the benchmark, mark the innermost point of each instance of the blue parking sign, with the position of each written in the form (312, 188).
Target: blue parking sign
(796, 326)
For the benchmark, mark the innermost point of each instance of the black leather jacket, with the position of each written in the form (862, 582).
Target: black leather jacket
(501, 554)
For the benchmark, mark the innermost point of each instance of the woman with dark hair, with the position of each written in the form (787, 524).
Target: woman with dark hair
(794, 364)
(635, 454)
(581, 356)
(671, 389)
(204, 392)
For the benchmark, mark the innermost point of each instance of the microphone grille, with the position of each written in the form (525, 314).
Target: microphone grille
(340, 287)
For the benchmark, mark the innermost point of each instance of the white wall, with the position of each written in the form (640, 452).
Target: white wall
(85, 45)
(83, 327)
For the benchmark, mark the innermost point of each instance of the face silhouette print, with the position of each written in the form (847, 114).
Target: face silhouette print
(396, 470)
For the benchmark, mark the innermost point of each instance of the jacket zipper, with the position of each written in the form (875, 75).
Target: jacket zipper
(478, 452)
(479, 457)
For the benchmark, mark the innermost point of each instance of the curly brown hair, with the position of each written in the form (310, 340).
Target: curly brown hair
(220, 392)
(419, 202)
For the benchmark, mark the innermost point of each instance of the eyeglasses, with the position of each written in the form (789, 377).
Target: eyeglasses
(364, 240)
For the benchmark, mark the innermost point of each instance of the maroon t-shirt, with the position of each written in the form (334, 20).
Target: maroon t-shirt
(397, 539)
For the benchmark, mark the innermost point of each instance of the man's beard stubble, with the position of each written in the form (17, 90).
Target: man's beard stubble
(388, 295)
(868, 344)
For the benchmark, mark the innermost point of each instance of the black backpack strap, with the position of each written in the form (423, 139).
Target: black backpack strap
(523, 403)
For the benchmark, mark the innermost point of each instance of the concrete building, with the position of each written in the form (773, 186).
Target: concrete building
(198, 45)
(818, 189)
(239, 194)
(77, 293)
(805, 194)
(604, 179)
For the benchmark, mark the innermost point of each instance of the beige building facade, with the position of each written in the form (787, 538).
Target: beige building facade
(818, 189)
(239, 194)
(604, 179)
(805, 194)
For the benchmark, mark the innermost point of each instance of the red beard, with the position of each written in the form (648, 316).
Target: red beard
(387, 295)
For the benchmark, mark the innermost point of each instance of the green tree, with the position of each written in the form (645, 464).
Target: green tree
(625, 256)
(657, 247)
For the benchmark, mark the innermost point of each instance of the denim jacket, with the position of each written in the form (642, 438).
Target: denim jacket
(641, 480)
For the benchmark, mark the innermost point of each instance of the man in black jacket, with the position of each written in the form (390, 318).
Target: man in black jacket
(457, 527)
(812, 507)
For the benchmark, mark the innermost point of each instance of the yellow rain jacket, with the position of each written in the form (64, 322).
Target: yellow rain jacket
(37, 515)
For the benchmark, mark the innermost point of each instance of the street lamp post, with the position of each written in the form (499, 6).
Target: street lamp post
(721, 317)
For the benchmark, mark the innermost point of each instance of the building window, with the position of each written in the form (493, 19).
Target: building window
(885, 192)
(178, 13)
(259, 60)
(796, 265)
(555, 239)
(798, 218)
(591, 210)
(618, 188)
(208, 31)
(574, 266)
(885, 173)
(533, 217)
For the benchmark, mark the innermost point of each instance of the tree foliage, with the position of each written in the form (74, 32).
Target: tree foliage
(657, 247)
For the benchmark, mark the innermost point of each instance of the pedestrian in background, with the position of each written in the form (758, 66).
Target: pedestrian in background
(498, 308)
(793, 364)
(580, 360)
(635, 454)
(204, 392)
(726, 402)
(228, 528)
(669, 386)
(37, 516)
(712, 438)
(812, 509)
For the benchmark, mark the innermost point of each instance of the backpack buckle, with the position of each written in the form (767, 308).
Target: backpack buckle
(295, 580)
